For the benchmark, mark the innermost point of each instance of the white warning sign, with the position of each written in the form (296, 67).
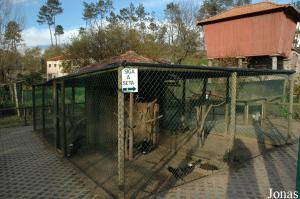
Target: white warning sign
(130, 80)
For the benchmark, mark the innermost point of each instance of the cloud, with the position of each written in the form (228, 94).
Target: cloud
(23, 1)
(41, 37)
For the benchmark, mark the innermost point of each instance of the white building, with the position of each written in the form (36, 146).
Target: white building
(54, 67)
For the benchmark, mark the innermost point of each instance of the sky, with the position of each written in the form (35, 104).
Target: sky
(71, 19)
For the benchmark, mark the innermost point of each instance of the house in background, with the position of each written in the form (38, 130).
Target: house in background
(54, 67)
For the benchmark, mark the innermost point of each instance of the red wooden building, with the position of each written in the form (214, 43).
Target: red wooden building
(262, 29)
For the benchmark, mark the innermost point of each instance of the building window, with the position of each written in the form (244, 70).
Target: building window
(54, 65)
(49, 65)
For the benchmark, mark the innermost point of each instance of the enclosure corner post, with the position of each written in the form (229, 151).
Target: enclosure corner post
(121, 160)
(63, 117)
(33, 108)
(43, 110)
(290, 113)
(232, 125)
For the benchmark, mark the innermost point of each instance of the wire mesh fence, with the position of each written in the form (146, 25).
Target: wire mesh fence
(180, 124)
(15, 105)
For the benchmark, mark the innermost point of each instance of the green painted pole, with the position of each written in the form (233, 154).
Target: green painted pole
(43, 110)
(33, 109)
(291, 102)
(298, 169)
(63, 117)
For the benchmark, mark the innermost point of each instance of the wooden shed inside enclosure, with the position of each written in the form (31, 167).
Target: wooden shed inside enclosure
(257, 30)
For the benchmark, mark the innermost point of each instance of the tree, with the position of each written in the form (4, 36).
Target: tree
(45, 17)
(89, 13)
(54, 7)
(59, 30)
(210, 8)
(13, 35)
(102, 9)
(31, 60)
(48, 13)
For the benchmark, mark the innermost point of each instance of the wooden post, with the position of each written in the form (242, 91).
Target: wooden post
(131, 103)
(291, 101)
(240, 62)
(274, 62)
(33, 109)
(16, 99)
(121, 160)
(63, 117)
(155, 125)
(210, 62)
(232, 125)
(226, 119)
(246, 113)
(43, 110)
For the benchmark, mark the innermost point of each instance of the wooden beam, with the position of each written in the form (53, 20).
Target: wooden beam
(121, 160)
(232, 125)
(131, 103)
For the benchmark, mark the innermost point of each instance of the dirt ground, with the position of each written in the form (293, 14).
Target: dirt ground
(148, 174)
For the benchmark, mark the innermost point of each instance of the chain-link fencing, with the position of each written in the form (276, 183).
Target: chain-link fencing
(180, 123)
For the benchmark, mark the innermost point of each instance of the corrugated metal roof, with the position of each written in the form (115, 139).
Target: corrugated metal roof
(258, 8)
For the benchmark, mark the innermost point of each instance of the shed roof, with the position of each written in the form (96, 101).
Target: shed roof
(204, 71)
(129, 56)
(252, 9)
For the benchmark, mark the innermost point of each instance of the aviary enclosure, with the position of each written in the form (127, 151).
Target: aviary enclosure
(185, 122)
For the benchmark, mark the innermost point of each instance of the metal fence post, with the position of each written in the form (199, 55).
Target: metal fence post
(43, 110)
(291, 101)
(25, 116)
(55, 114)
(121, 160)
(33, 109)
(63, 117)
(232, 127)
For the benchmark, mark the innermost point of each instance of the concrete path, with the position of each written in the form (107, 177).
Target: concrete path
(30, 168)
(253, 180)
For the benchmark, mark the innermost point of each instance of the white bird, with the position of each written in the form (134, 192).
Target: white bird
(256, 116)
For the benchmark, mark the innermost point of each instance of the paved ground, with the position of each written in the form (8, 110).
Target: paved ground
(253, 180)
(29, 168)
